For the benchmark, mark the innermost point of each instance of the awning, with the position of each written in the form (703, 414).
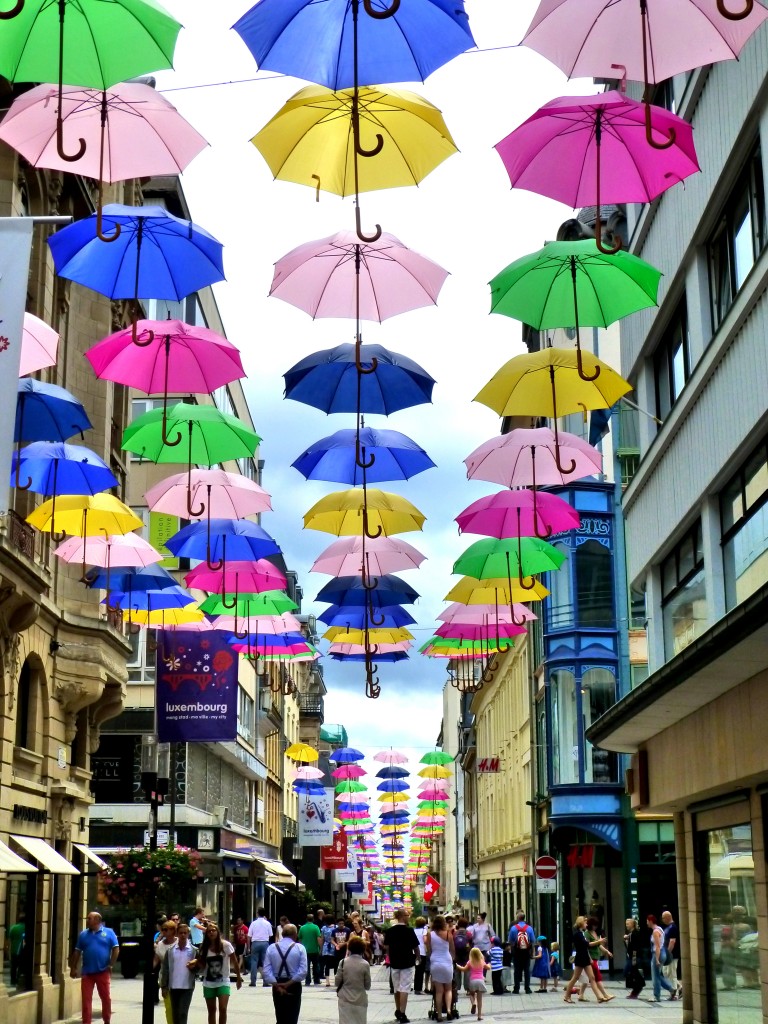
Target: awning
(11, 862)
(45, 855)
(274, 888)
(89, 854)
(235, 855)
(277, 872)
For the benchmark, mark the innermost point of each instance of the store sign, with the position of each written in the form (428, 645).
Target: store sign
(334, 857)
(196, 688)
(36, 815)
(581, 857)
(469, 891)
(488, 765)
(316, 819)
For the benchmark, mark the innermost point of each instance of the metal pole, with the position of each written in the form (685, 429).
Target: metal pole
(48, 219)
(149, 988)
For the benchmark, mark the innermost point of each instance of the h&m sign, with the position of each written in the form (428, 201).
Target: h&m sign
(488, 765)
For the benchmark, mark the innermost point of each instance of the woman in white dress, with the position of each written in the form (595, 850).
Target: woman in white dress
(439, 944)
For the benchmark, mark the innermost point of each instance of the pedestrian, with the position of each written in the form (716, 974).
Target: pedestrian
(214, 960)
(260, 933)
(521, 938)
(481, 933)
(197, 924)
(240, 939)
(177, 979)
(582, 961)
(461, 948)
(15, 945)
(285, 968)
(98, 948)
(596, 949)
(672, 946)
(541, 963)
(555, 966)
(162, 945)
(441, 952)
(633, 965)
(279, 930)
(497, 966)
(311, 939)
(402, 947)
(658, 959)
(353, 979)
(422, 964)
(329, 950)
(476, 968)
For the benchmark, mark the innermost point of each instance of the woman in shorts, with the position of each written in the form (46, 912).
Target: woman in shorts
(216, 959)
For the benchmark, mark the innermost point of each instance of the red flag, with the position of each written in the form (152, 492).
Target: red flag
(431, 887)
(334, 857)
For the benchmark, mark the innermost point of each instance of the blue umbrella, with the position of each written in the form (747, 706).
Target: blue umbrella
(370, 456)
(342, 805)
(156, 254)
(393, 786)
(131, 579)
(329, 380)
(361, 618)
(315, 41)
(55, 468)
(308, 786)
(257, 640)
(215, 540)
(345, 590)
(392, 772)
(150, 600)
(45, 412)
(345, 755)
(394, 815)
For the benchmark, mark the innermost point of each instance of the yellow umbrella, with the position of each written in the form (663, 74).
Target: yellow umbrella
(435, 771)
(494, 591)
(393, 798)
(310, 140)
(159, 617)
(84, 515)
(341, 635)
(301, 752)
(348, 513)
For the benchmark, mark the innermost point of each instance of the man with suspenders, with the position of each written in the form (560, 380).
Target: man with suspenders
(285, 968)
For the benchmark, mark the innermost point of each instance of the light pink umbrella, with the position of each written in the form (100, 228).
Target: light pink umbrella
(285, 623)
(390, 756)
(307, 771)
(237, 578)
(348, 771)
(39, 345)
(353, 798)
(523, 513)
(126, 550)
(223, 495)
(347, 649)
(479, 614)
(525, 457)
(382, 555)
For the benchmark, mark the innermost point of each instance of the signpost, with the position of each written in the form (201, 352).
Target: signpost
(546, 874)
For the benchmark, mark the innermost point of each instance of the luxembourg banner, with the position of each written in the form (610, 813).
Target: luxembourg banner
(15, 250)
(196, 682)
(316, 819)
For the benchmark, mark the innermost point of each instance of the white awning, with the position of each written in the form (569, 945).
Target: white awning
(89, 854)
(277, 872)
(274, 888)
(235, 855)
(11, 862)
(45, 855)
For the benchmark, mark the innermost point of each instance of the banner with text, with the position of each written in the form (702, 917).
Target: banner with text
(316, 819)
(196, 677)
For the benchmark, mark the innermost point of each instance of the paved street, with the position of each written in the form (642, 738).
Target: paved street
(319, 1006)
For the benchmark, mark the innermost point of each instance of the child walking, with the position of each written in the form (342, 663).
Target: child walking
(497, 966)
(541, 963)
(476, 986)
(554, 964)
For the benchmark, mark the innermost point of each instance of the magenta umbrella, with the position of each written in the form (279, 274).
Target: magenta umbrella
(490, 631)
(236, 578)
(434, 793)
(223, 495)
(527, 457)
(524, 513)
(589, 150)
(349, 555)
(126, 550)
(479, 614)
(348, 771)
(39, 345)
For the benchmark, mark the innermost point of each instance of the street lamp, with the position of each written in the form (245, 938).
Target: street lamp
(155, 771)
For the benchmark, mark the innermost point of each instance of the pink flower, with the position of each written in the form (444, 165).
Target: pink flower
(132, 885)
(119, 867)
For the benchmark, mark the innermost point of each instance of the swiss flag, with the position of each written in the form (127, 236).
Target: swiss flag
(430, 888)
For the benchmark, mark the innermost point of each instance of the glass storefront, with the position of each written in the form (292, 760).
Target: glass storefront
(19, 926)
(731, 926)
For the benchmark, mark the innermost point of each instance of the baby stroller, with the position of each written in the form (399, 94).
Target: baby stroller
(432, 1014)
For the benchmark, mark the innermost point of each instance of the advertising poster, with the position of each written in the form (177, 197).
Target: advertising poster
(316, 819)
(196, 677)
(335, 856)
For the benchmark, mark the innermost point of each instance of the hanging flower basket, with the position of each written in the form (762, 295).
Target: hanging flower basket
(132, 874)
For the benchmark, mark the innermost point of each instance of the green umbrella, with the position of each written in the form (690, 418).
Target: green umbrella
(270, 602)
(350, 786)
(91, 43)
(436, 757)
(574, 284)
(519, 556)
(433, 805)
(477, 647)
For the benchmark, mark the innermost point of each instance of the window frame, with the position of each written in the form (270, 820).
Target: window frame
(749, 510)
(676, 336)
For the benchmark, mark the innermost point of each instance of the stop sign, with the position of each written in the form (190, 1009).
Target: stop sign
(545, 867)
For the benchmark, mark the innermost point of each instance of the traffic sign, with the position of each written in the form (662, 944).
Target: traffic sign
(545, 867)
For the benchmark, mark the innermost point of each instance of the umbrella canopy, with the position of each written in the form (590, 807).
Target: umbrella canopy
(393, 786)
(46, 412)
(222, 495)
(416, 39)
(39, 345)
(271, 602)
(491, 630)
(342, 276)
(532, 456)
(391, 757)
(172, 356)
(310, 139)
(167, 618)
(384, 454)
(681, 35)
(348, 771)
(131, 579)
(308, 772)
(522, 513)
(391, 771)
(392, 798)
(342, 635)
(346, 590)
(352, 650)
(470, 590)
(53, 468)
(309, 787)
(217, 538)
(285, 623)
(342, 513)
(481, 615)
(301, 752)
(246, 577)
(350, 556)
(329, 380)
(436, 757)
(150, 600)
(391, 617)
(85, 515)
(435, 771)
(521, 556)
(207, 436)
(127, 550)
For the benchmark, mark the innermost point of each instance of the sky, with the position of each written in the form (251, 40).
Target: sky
(464, 216)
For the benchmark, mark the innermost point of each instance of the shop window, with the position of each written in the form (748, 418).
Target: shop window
(560, 605)
(19, 931)
(565, 727)
(594, 585)
(598, 694)
(731, 925)
(684, 602)
(739, 238)
(672, 361)
(744, 519)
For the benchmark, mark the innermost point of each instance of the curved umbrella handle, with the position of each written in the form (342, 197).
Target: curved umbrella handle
(69, 157)
(224, 602)
(378, 531)
(195, 513)
(358, 364)
(390, 11)
(671, 134)
(100, 222)
(215, 566)
(19, 7)
(360, 459)
(373, 618)
(17, 479)
(377, 147)
(57, 538)
(580, 364)
(489, 671)
(359, 228)
(369, 582)
(170, 442)
(135, 333)
(241, 635)
(730, 15)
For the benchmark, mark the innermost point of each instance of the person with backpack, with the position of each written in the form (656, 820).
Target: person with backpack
(285, 970)
(461, 948)
(522, 939)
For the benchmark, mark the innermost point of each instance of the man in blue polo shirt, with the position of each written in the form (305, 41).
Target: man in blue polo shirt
(98, 948)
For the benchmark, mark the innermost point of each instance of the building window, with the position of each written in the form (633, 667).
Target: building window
(594, 585)
(245, 715)
(684, 602)
(141, 666)
(672, 361)
(598, 694)
(738, 239)
(560, 604)
(744, 518)
(565, 727)
(223, 400)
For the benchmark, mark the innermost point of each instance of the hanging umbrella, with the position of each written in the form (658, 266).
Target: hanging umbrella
(515, 556)
(343, 512)
(150, 600)
(167, 618)
(481, 614)
(370, 455)
(391, 617)
(434, 791)
(346, 590)
(491, 630)
(387, 381)
(368, 637)
(435, 771)
(156, 254)
(122, 551)
(128, 131)
(392, 798)
(529, 457)
(585, 150)
(271, 602)
(473, 591)
(391, 757)
(573, 284)
(193, 625)
(391, 771)
(39, 345)
(348, 771)
(393, 786)
(523, 513)
(223, 495)
(301, 752)
(54, 468)
(398, 42)
(308, 772)
(85, 515)
(306, 786)
(345, 755)
(130, 579)
(46, 412)
(436, 757)
(234, 578)
(285, 623)
(430, 782)
(353, 650)
(349, 556)
(214, 538)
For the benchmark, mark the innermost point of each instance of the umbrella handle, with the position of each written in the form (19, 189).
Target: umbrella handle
(377, 148)
(239, 635)
(390, 11)
(359, 227)
(168, 441)
(358, 364)
(7, 15)
(671, 134)
(69, 157)
(489, 670)
(580, 366)
(17, 480)
(374, 619)
(730, 15)
(378, 531)
(100, 223)
(366, 581)
(215, 566)
(224, 602)
(512, 616)
(360, 458)
(135, 333)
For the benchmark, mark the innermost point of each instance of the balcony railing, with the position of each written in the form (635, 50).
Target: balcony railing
(21, 535)
(311, 705)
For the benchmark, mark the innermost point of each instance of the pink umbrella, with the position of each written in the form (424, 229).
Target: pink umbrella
(223, 495)
(529, 457)
(126, 550)
(490, 631)
(237, 578)
(425, 784)
(348, 771)
(128, 130)
(307, 771)
(382, 555)
(390, 757)
(524, 513)
(285, 623)
(480, 614)
(353, 798)
(403, 645)
(434, 793)
(589, 150)
(39, 344)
